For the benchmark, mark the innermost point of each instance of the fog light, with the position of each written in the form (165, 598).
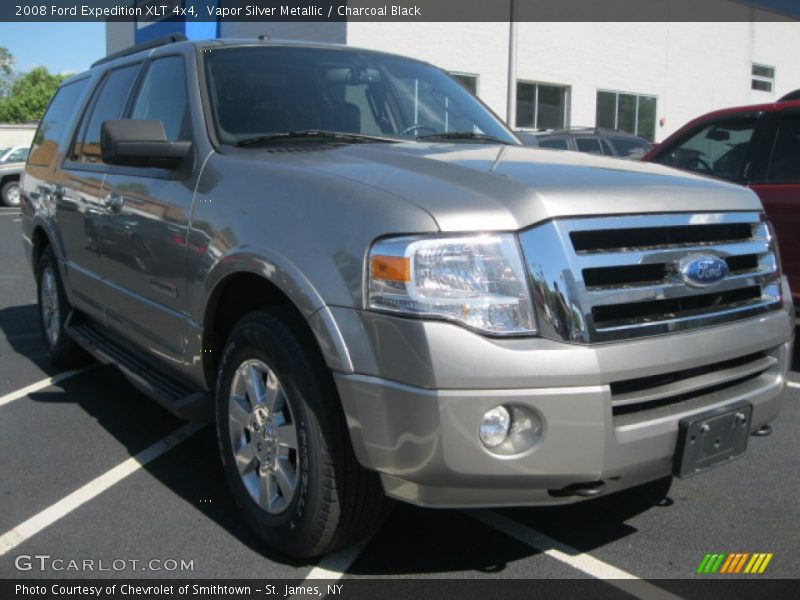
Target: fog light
(495, 426)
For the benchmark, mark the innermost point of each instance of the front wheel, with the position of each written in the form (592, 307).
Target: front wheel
(284, 441)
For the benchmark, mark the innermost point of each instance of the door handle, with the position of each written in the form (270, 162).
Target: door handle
(113, 202)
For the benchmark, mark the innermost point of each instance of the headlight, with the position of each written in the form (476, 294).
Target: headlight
(478, 281)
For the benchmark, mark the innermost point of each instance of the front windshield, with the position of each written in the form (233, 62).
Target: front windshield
(259, 91)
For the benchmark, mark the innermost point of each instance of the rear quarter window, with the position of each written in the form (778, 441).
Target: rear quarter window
(56, 121)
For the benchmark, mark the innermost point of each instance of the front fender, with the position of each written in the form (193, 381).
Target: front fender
(290, 280)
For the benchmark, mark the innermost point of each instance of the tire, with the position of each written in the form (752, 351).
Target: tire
(53, 310)
(294, 433)
(10, 193)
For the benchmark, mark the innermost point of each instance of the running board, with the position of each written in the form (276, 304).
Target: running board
(180, 399)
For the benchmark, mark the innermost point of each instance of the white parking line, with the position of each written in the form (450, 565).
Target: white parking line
(40, 385)
(793, 384)
(333, 566)
(51, 514)
(574, 558)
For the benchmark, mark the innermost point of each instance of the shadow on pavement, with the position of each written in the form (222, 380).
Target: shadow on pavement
(416, 540)
(20, 325)
(411, 541)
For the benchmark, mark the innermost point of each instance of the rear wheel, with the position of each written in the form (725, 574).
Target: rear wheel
(53, 310)
(10, 193)
(284, 441)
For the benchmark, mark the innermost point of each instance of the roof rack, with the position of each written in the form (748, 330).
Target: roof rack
(791, 96)
(154, 43)
(575, 129)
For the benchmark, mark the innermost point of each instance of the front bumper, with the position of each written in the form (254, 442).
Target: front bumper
(420, 388)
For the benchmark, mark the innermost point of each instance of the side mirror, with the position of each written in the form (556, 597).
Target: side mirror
(140, 143)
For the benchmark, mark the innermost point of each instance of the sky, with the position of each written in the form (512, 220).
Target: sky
(73, 47)
(61, 47)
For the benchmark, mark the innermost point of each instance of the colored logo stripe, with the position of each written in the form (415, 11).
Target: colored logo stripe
(711, 563)
(758, 563)
(735, 562)
(728, 562)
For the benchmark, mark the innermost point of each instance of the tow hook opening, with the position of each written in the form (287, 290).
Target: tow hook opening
(588, 489)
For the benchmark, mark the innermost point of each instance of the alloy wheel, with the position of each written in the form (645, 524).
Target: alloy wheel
(263, 436)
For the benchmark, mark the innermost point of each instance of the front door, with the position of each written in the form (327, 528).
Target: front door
(145, 227)
(780, 194)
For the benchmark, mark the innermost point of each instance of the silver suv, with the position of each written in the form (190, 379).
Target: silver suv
(376, 291)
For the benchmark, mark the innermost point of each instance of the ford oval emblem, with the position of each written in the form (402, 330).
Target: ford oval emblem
(701, 271)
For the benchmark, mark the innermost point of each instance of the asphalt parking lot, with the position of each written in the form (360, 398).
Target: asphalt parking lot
(69, 489)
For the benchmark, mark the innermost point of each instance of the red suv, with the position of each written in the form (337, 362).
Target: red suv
(757, 146)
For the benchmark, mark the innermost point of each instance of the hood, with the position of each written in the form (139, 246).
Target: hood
(12, 167)
(496, 187)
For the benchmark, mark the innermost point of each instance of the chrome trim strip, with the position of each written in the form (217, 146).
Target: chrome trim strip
(667, 255)
(603, 296)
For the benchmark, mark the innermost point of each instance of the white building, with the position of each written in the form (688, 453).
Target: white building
(647, 78)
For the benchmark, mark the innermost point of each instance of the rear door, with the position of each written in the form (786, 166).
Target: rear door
(144, 240)
(780, 190)
(79, 191)
(45, 181)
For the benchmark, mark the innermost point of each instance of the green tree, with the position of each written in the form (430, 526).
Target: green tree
(6, 70)
(28, 97)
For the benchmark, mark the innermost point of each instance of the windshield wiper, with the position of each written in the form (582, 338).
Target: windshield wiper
(462, 135)
(338, 136)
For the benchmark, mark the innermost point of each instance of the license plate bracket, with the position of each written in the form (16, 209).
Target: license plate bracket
(712, 438)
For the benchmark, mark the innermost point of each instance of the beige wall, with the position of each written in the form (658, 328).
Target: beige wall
(16, 135)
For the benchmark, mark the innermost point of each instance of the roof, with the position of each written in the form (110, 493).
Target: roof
(767, 107)
(577, 131)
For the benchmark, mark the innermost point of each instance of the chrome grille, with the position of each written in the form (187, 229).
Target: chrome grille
(612, 278)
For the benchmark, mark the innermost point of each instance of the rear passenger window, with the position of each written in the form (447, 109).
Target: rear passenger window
(588, 145)
(163, 97)
(55, 122)
(558, 144)
(785, 164)
(111, 99)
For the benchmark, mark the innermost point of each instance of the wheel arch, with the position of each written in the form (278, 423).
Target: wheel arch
(241, 292)
(39, 241)
(9, 177)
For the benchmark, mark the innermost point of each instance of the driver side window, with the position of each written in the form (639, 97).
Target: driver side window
(717, 149)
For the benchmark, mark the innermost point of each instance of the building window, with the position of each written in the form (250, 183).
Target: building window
(542, 106)
(469, 81)
(763, 78)
(634, 113)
